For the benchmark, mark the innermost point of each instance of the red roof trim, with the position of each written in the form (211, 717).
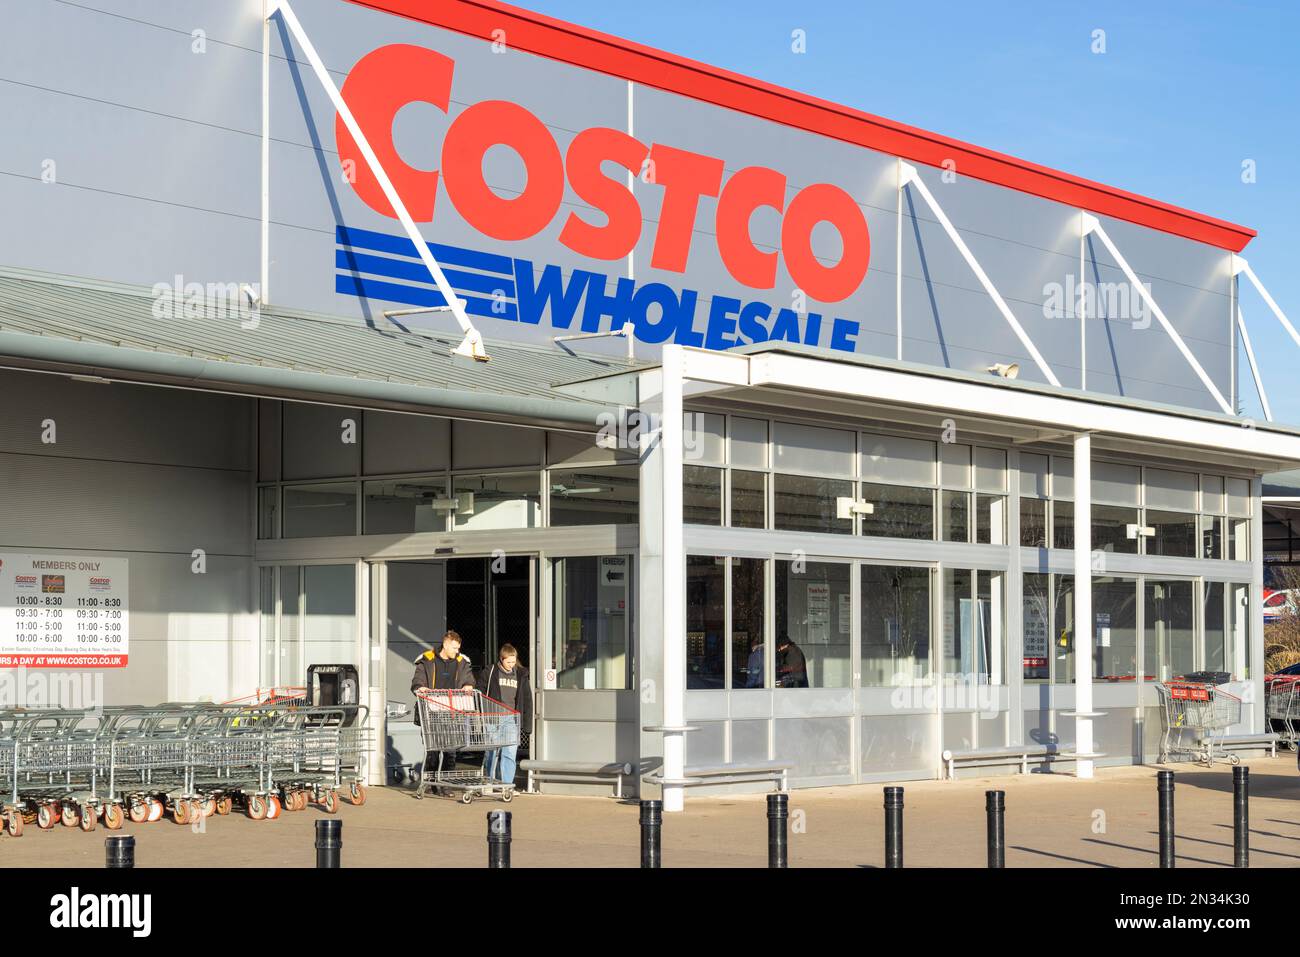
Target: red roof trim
(579, 46)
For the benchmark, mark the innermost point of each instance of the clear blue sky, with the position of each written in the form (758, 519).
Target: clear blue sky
(1185, 92)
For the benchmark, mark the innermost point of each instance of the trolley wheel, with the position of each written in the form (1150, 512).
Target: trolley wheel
(88, 820)
(304, 798)
(467, 797)
(71, 815)
(181, 811)
(330, 802)
(256, 807)
(138, 812)
(198, 809)
(156, 809)
(224, 804)
(508, 796)
(358, 794)
(1234, 759)
(45, 817)
(14, 823)
(112, 816)
(273, 807)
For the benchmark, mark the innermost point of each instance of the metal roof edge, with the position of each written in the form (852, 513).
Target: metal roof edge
(88, 358)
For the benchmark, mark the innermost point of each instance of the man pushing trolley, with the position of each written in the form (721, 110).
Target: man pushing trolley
(454, 717)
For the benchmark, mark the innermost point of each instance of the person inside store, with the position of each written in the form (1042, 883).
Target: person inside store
(507, 682)
(791, 667)
(754, 667)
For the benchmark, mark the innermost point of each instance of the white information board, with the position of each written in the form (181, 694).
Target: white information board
(63, 611)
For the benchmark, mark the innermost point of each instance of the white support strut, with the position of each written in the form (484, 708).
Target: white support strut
(908, 176)
(1156, 311)
(1240, 265)
(472, 344)
(1254, 368)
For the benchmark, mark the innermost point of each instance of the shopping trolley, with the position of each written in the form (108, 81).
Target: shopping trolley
(456, 721)
(1191, 714)
(1282, 707)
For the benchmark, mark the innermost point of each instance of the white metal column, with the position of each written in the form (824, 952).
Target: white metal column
(1083, 629)
(673, 558)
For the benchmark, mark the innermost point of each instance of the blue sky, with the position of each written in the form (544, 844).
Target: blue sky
(1185, 92)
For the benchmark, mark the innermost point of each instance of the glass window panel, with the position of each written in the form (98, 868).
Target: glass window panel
(1033, 475)
(1171, 490)
(486, 445)
(1036, 627)
(404, 443)
(1219, 653)
(899, 511)
(1063, 525)
(1238, 614)
(313, 511)
(808, 449)
(268, 440)
(1238, 491)
(289, 666)
(808, 504)
(1115, 484)
(1114, 612)
(702, 438)
(1170, 638)
(899, 461)
(705, 624)
(1212, 528)
(1062, 477)
(954, 465)
(1238, 539)
(701, 495)
(895, 625)
(1110, 529)
(813, 621)
(748, 499)
(1175, 534)
(747, 609)
(314, 445)
(598, 495)
(402, 506)
(1212, 494)
(329, 626)
(954, 511)
(991, 519)
(991, 470)
(266, 606)
(748, 442)
(973, 626)
(1063, 630)
(591, 634)
(497, 501)
(1033, 522)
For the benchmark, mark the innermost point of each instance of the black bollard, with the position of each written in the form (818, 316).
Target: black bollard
(652, 823)
(995, 805)
(893, 827)
(1240, 817)
(778, 819)
(498, 840)
(329, 842)
(119, 852)
(1165, 785)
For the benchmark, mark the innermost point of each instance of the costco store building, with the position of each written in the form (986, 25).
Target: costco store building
(956, 429)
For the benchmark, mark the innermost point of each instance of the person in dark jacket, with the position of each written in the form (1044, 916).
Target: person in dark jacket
(445, 669)
(791, 666)
(507, 682)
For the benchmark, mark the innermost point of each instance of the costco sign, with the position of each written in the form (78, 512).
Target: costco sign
(393, 76)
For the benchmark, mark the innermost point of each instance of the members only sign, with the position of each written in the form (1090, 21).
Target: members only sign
(63, 611)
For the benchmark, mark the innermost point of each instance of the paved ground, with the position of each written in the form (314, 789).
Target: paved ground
(1051, 821)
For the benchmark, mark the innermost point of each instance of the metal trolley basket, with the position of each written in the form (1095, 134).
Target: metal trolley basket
(1191, 714)
(1282, 708)
(456, 721)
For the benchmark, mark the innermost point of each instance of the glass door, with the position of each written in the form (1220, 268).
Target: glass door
(1169, 634)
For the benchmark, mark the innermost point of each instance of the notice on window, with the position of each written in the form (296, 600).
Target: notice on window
(63, 611)
(819, 612)
(1035, 630)
(1103, 629)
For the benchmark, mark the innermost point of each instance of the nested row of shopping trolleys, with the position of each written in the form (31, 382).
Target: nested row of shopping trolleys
(269, 753)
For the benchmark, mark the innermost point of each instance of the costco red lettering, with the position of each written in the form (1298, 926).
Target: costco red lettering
(388, 78)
